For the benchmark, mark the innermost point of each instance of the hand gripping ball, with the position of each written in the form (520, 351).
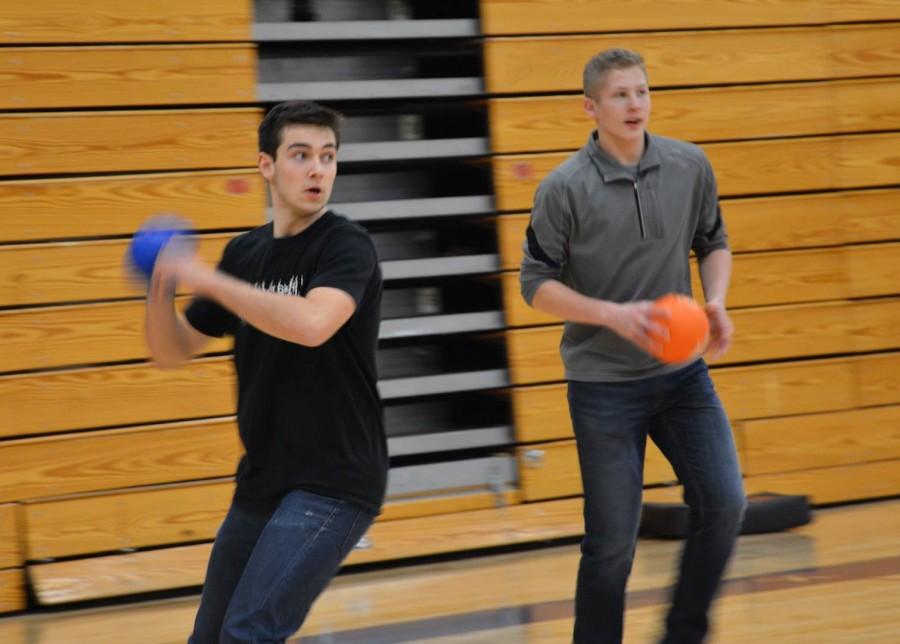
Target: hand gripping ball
(149, 241)
(688, 328)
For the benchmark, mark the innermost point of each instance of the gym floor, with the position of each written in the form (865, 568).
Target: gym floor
(834, 580)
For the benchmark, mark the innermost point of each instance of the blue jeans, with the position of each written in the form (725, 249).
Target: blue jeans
(269, 563)
(682, 414)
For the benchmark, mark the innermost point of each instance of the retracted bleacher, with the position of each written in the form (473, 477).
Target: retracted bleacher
(115, 475)
(116, 113)
(780, 96)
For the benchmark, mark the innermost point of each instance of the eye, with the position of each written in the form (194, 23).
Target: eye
(328, 158)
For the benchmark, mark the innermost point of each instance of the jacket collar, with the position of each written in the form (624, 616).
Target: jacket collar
(612, 170)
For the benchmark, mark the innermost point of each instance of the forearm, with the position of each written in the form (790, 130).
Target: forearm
(289, 317)
(170, 337)
(715, 275)
(559, 300)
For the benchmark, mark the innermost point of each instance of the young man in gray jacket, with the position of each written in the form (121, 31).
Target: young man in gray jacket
(611, 230)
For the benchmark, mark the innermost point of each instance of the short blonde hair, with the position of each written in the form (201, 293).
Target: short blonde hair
(599, 66)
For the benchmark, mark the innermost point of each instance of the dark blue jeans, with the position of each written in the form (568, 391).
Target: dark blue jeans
(269, 563)
(682, 414)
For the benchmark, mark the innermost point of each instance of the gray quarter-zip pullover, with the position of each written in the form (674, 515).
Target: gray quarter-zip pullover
(621, 234)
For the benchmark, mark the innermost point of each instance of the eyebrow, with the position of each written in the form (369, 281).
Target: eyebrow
(307, 145)
(640, 86)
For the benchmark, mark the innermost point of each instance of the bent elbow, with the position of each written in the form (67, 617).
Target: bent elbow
(314, 334)
(319, 335)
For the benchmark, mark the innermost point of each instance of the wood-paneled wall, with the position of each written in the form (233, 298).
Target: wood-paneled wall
(12, 582)
(96, 139)
(111, 112)
(698, 58)
(88, 21)
(797, 105)
(525, 17)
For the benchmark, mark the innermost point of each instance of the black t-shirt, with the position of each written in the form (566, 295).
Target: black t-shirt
(309, 417)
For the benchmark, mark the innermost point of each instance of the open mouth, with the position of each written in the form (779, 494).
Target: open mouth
(314, 192)
(633, 122)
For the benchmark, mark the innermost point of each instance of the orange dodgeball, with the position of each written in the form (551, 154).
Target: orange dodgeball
(688, 329)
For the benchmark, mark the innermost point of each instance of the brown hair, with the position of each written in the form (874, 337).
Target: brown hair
(296, 113)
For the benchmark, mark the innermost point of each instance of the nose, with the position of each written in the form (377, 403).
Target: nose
(315, 168)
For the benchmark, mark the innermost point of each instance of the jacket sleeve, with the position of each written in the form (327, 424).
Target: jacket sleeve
(710, 233)
(546, 245)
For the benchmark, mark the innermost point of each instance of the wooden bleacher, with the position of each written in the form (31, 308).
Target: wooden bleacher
(94, 142)
(183, 566)
(743, 168)
(524, 17)
(740, 112)
(51, 402)
(782, 277)
(116, 474)
(55, 77)
(98, 206)
(79, 334)
(102, 446)
(12, 582)
(168, 514)
(806, 168)
(60, 21)
(98, 460)
(758, 391)
(61, 272)
(767, 333)
(834, 396)
(96, 139)
(773, 223)
(697, 58)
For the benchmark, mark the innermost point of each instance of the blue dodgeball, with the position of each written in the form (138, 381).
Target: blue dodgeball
(146, 246)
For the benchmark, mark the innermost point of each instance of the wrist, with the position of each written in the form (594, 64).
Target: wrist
(603, 312)
(203, 281)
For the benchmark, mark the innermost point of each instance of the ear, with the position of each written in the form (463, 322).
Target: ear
(266, 165)
(589, 108)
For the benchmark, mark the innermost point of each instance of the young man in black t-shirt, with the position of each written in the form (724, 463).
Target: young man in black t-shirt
(301, 297)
